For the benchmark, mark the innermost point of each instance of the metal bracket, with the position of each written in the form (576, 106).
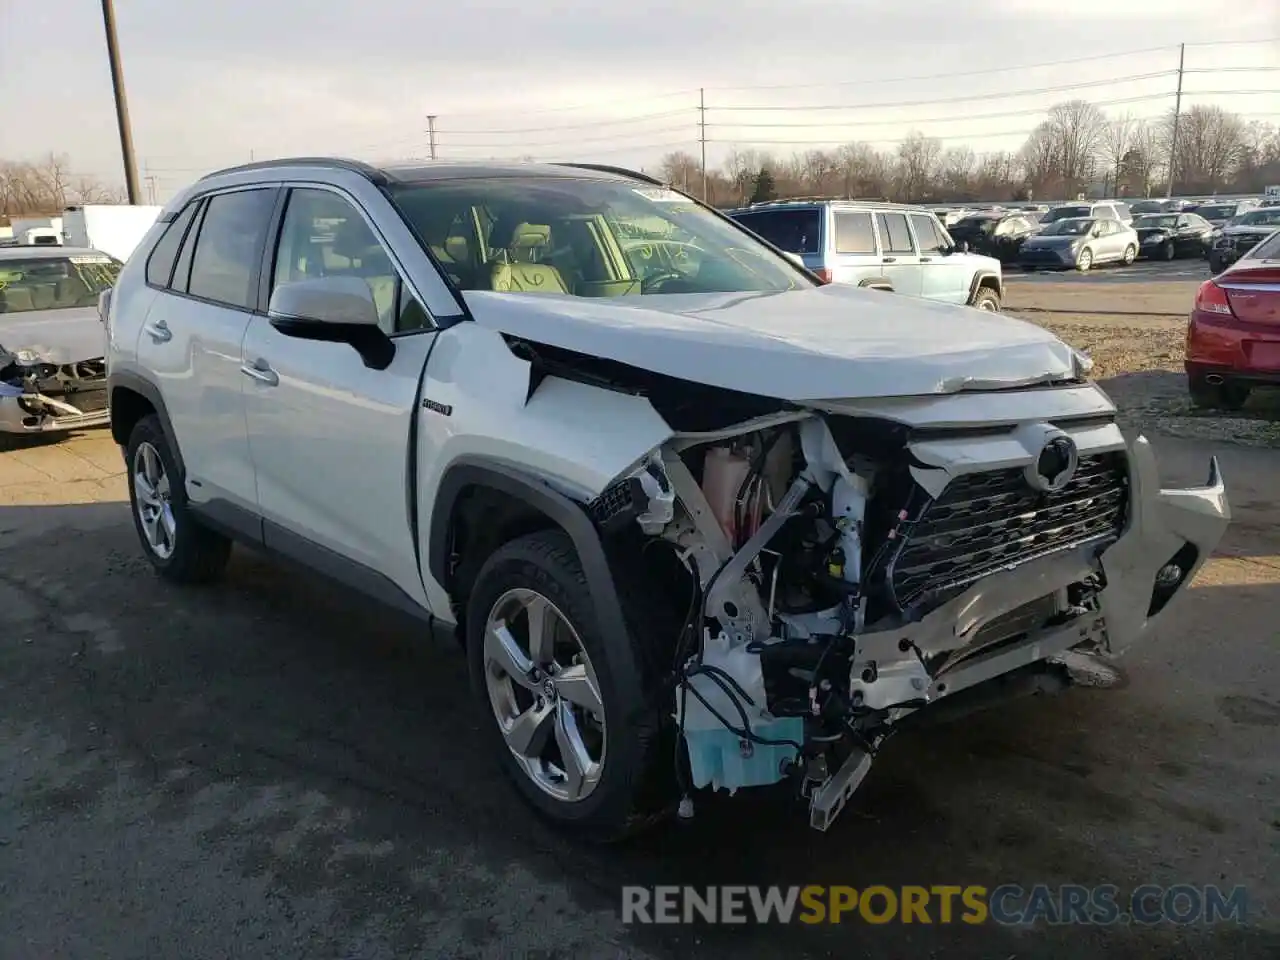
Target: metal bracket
(829, 799)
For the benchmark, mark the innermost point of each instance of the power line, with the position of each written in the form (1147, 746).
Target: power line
(597, 105)
(1084, 84)
(952, 119)
(1023, 132)
(579, 126)
(608, 138)
(1233, 43)
(947, 76)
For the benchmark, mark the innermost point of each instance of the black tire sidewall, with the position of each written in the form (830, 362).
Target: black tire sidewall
(607, 813)
(990, 296)
(149, 430)
(1169, 250)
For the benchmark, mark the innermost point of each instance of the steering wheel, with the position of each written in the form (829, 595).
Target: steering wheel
(654, 282)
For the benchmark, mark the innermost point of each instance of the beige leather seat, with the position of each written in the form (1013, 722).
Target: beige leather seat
(15, 300)
(518, 270)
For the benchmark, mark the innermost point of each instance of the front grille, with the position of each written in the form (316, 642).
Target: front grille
(986, 522)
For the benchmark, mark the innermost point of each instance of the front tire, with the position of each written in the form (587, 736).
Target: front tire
(988, 300)
(1085, 260)
(174, 541)
(571, 716)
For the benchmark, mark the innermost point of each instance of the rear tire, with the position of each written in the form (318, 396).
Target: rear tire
(634, 783)
(175, 542)
(1168, 251)
(1216, 266)
(1130, 254)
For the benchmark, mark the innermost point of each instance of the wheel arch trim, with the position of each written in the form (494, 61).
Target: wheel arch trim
(151, 393)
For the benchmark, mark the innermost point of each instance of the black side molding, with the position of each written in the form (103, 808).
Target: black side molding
(513, 482)
(147, 390)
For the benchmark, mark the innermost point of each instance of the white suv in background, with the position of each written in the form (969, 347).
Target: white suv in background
(698, 519)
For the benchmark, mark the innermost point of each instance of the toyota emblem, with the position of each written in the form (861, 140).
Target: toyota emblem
(1055, 466)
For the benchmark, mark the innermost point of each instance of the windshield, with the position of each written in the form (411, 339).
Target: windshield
(54, 283)
(1146, 206)
(1067, 228)
(587, 238)
(1166, 222)
(1062, 213)
(796, 231)
(1216, 211)
(1269, 217)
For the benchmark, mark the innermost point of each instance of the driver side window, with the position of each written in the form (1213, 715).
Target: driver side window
(324, 235)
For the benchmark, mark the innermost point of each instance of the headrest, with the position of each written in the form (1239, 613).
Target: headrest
(531, 235)
(351, 238)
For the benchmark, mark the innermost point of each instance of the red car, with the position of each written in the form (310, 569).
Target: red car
(1233, 339)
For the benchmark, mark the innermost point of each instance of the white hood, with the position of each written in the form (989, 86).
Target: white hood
(823, 343)
(56, 336)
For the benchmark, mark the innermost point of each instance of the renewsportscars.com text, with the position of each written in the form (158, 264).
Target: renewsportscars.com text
(1007, 905)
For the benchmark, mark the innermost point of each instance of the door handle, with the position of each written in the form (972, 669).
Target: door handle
(261, 371)
(158, 332)
(889, 260)
(926, 259)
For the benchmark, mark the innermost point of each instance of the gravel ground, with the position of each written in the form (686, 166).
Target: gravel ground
(271, 768)
(1135, 332)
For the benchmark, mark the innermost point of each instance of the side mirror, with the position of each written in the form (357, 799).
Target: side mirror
(334, 310)
(964, 246)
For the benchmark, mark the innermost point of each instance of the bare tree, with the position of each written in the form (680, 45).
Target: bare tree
(957, 166)
(1117, 141)
(1039, 156)
(918, 159)
(680, 169)
(1077, 128)
(1210, 143)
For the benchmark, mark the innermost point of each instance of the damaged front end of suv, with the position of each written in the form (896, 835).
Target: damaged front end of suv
(858, 562)
(42, 391)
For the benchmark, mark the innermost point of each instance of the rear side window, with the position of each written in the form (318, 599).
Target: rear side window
(792, 231)
(854, 233)
(893, 228)
(931, 240)
(165, 252)
(1105, 213)
(228, 252)
(1268, 249)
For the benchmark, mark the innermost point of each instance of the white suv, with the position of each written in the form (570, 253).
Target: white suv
(698, 519)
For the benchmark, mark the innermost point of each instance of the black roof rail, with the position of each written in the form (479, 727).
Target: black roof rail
(619, 171)
(340, 163)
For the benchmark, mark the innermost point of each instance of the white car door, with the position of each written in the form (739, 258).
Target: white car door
(330, 436)
(192, 335)
(900, 258)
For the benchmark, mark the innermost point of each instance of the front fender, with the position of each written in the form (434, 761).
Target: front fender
(1162, 523)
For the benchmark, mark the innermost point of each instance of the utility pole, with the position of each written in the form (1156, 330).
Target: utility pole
(1177, 115)
(431, 134)
(702, 137)
(122, 106)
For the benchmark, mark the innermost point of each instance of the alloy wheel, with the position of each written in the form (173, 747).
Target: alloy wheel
(1085, 261)
(152, 501)
(545, 694)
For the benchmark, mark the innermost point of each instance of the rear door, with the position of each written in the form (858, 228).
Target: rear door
(192, 336)
(857, 258)
(899, 255)
(330, 437)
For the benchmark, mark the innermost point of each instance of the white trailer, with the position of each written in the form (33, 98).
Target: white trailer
(113, 228)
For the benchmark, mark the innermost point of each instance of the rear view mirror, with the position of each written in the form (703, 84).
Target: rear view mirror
(335, 310)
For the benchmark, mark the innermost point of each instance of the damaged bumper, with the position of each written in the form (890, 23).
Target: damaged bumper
(48, 398)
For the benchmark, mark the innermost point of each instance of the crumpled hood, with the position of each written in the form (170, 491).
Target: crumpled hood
(55, 336)
(824, 343)
(1245, 230)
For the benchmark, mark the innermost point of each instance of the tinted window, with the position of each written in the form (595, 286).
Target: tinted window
(1065, 213)
(1268, 249)
(1123, 210)
(228, 250)
(854, 233)
(323, 235)
(795, 231)
(931, 243)
(160, 263)
(893, 230)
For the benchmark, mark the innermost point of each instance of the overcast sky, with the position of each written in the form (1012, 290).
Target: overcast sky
(214, 83)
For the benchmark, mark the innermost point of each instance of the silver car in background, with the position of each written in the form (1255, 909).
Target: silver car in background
(1078, 243)
(52, 346)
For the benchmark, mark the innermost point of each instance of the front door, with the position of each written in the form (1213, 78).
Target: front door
(330, 437)
(942, 277)
(900, 258)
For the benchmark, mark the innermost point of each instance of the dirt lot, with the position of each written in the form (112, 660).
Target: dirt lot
(272, 769)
